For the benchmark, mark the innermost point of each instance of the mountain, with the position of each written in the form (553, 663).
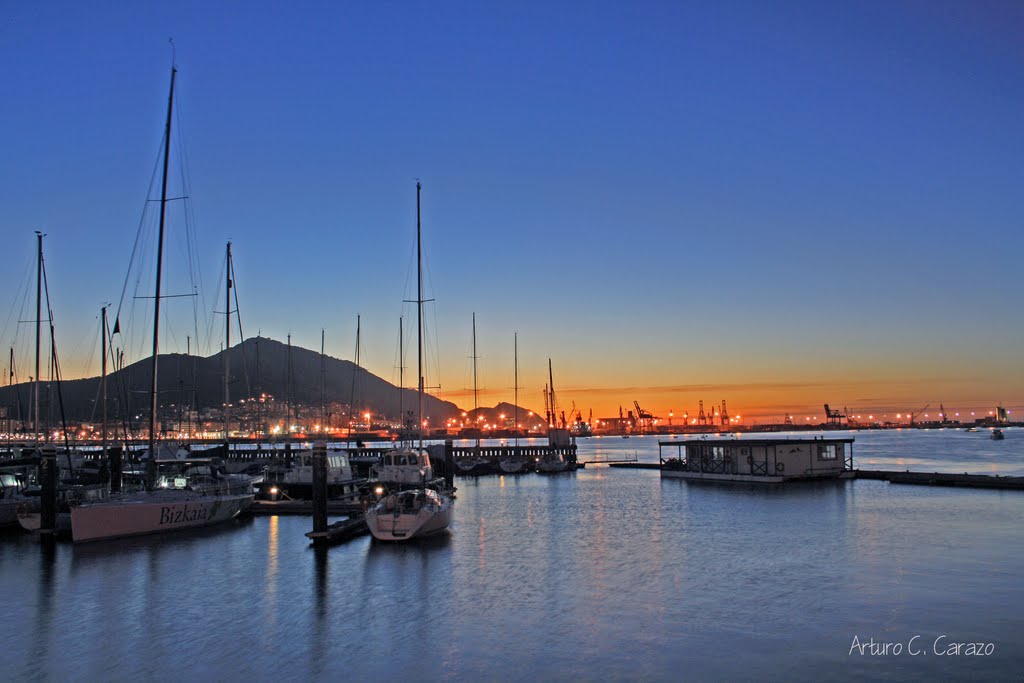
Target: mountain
(493, 415)
(178, 373)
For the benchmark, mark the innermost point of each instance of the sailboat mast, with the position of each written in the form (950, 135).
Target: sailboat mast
(419, 312)
(288, 402)
(401, 379)
(159, 271)
(352, 412)
(103, 380)
(515, 386)
(475, 404)
(323, 383)
(39, 322)
(227, 347)
(259, 399)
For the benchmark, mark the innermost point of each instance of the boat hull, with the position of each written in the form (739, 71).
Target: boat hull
(153, 513)
(405, 526)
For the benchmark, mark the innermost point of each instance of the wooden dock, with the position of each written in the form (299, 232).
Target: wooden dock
(339, 532)
(979, 481)
(303, 507)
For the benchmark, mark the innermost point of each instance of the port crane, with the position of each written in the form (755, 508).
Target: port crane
(834, 416)
(644, 418)
(918, 412)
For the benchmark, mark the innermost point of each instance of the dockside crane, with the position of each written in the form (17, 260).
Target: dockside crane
(724, 414)
(834, 416)
(917, 412)
(644, 418)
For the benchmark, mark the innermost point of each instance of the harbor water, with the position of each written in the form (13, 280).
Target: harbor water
(602, 574)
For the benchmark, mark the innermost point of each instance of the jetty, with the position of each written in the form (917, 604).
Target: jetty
(977, 481)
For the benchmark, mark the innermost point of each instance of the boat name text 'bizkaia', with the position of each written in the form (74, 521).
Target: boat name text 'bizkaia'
(170, 515)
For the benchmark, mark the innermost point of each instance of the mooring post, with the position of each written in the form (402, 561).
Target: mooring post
(449, 464)
(48, 501)
(319, 486)
(115, 468)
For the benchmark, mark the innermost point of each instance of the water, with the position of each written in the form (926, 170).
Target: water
(605, 574)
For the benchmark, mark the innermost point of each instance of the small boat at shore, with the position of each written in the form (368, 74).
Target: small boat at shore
(998, 435)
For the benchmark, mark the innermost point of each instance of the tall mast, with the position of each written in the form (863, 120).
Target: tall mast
(401, 379)
(103, 381)
(323, 383)
(419, 312)
(474, 379)
(10, 382)
(259, 398)
(151, 467)
(515, 387)
(39, 321)
(227, 347)
(288, 402)
(352, 412)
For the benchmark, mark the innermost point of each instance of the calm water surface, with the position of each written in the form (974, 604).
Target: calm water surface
(604, 574)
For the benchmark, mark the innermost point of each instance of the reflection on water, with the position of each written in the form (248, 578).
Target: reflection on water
(603, 574)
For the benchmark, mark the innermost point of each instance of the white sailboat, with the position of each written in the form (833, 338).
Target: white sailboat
(410, 508)
(180, 493)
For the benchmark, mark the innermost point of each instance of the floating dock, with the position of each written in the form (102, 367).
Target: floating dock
(978, 481)
(303, 507)
(340, 531)
(965, 480)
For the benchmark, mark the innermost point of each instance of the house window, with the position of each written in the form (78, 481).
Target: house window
(827, 451)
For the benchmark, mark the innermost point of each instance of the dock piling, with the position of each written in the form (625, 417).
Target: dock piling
(319, 486)
(449, 464)
(114, 454)
(48, 501)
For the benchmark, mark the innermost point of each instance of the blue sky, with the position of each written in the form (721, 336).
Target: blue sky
(672, 200)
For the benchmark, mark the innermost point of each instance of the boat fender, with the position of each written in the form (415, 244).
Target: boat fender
(780, 468)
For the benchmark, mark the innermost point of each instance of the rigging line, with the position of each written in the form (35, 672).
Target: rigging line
(139, 232)
(97, 402)
(19, 295)
(55, 361)
(241, 335)
(195, 272)
(216, 297)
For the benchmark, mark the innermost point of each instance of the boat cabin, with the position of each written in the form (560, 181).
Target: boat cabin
(756, 460)
(403, 466)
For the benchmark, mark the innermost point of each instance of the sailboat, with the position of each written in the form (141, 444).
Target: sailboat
(180, 493)
(553, 461)
(514, 464)
(294, 478)
(409, 507)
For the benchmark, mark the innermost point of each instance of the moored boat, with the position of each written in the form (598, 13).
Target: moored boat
(188, 493)
(758, 460)
(410, 506)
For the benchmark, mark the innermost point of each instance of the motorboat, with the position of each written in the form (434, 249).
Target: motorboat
(998, 435)
(295, 479)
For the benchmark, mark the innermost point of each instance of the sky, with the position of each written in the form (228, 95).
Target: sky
(777, 204)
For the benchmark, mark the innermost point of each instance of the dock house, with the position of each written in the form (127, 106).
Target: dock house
(757, 460)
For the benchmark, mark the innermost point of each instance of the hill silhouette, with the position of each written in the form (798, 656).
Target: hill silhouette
(179, 375)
